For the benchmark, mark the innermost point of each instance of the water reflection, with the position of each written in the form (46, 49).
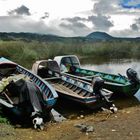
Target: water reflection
(114, 66)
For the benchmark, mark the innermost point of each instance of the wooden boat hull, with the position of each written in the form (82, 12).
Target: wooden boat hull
(69, 87)
(66, 93)
(91, 103)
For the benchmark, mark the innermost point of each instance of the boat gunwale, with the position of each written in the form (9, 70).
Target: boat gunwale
(5, 61)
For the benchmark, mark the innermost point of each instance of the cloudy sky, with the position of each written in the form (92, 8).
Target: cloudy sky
(71, 17)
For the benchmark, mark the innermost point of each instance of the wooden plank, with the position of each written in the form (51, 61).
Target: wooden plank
(65, 90)
(52, 78)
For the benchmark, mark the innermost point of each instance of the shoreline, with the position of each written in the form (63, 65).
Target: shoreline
(122, 125)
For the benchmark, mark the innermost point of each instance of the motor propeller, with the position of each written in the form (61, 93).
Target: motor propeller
(98, 83)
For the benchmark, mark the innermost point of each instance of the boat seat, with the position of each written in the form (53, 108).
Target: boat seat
(70, 87)
(79, 91)
(77, 88)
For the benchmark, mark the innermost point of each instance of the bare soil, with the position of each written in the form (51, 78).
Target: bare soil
(123, 125)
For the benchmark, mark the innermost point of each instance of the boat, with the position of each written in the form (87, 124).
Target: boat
(46, 94)
(72, 88)
(120, 85)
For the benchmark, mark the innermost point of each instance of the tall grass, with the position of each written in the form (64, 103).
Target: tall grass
(26, 53)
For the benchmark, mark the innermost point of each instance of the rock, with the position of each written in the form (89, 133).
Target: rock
(86, 134)
(85, 128)
(82, 116)
(113, 130)
(90, 129)
(78, 118)
(78, 125)
(128, 112)
(130, 133)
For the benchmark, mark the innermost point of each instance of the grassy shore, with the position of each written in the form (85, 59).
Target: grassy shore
(26, 53)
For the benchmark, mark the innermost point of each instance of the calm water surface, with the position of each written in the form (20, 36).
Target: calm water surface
(113, 66)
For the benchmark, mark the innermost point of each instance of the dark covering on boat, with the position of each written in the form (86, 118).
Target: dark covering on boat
(26, 91)
(27, 103)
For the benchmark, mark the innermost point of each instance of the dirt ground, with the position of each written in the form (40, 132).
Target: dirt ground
(123, 125)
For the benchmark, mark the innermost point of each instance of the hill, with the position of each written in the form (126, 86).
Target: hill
(99, 36)
(92, 37)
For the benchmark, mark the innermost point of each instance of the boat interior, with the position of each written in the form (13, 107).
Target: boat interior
(50, 71)
(64, 83)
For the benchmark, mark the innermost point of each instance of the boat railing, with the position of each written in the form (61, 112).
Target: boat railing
(44, 87)
(71, 79)
(52, 78)
(77, 82)
(109, 77)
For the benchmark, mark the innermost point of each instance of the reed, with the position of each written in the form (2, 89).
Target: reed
(26, 53)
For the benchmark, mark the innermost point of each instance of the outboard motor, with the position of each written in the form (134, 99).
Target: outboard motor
(98, 83)
(132, 76)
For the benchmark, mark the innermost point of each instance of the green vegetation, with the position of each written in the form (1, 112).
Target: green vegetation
(26, 53)
(3, 119)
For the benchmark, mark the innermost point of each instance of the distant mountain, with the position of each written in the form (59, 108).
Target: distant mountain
(92, 37)
(29, 37)
(102, 36)
(99, 36)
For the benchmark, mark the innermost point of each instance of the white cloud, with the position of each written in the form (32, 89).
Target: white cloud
(122, 22)
(81, 17)
(22, 10)
(101, 22)
(25, 24)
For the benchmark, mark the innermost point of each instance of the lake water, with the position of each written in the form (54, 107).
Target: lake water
(113, 66)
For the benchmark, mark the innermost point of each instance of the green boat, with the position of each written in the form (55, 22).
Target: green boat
(117, 83)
